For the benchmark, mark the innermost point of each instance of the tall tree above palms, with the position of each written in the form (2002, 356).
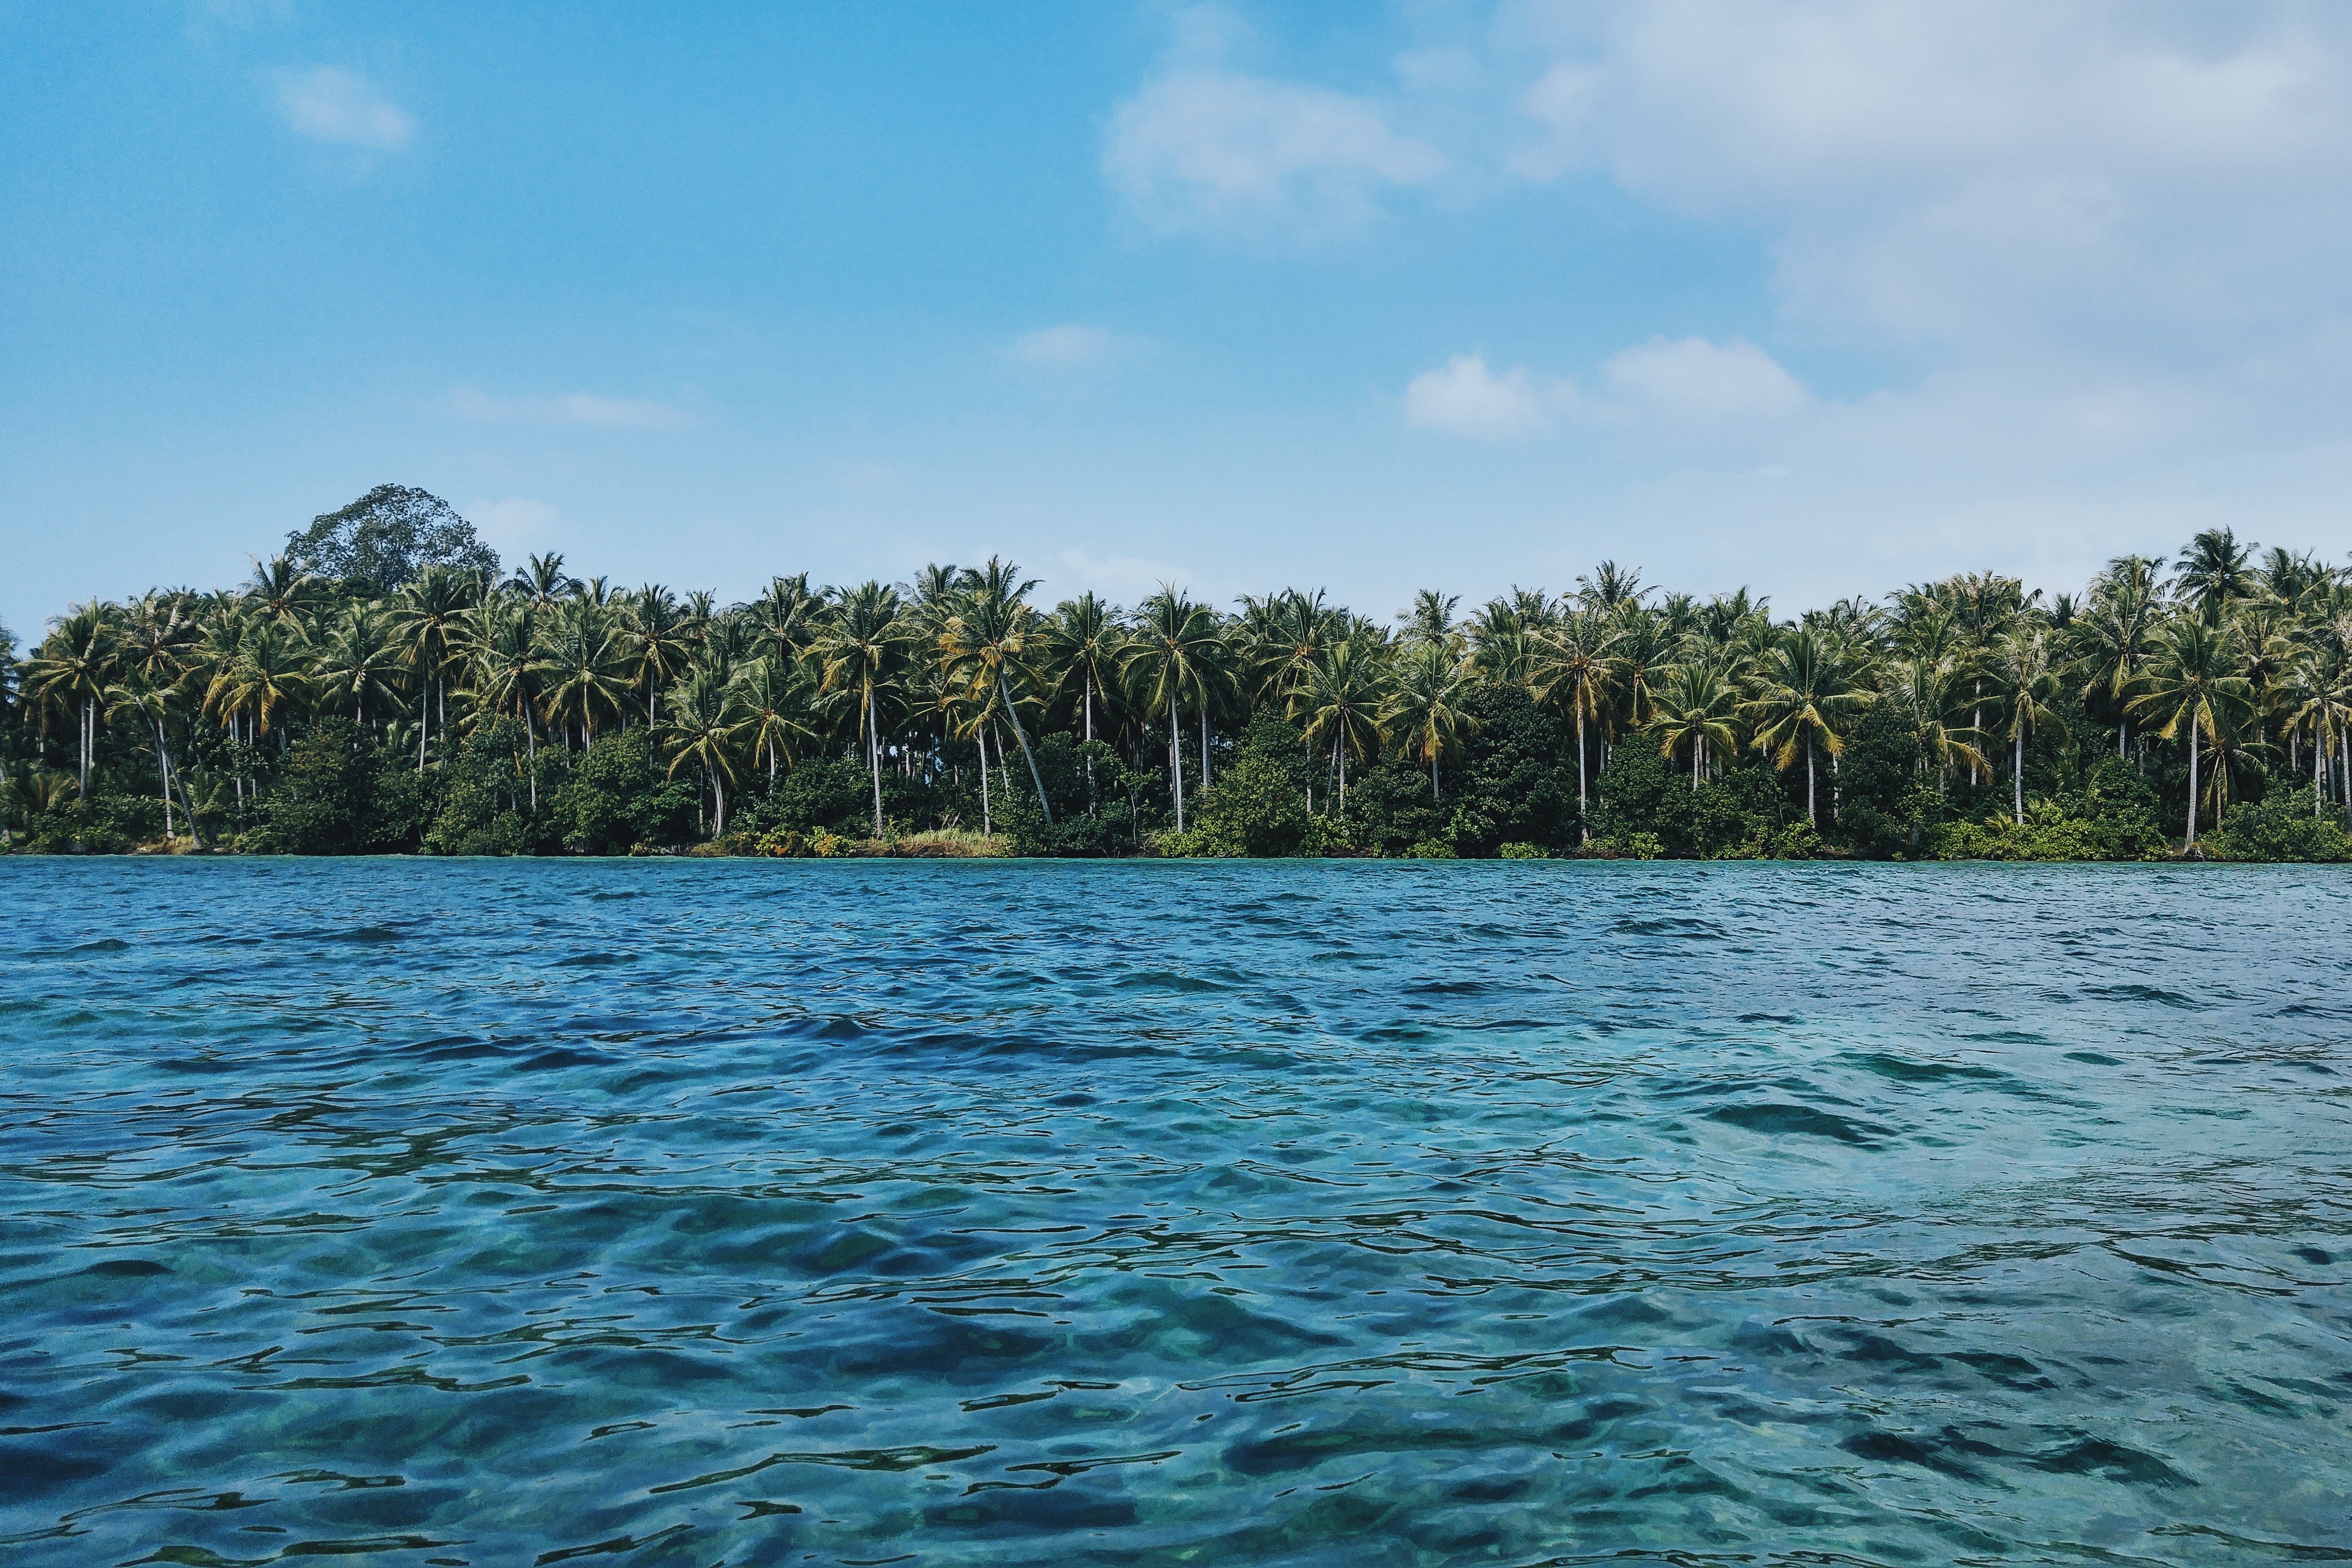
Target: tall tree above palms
(2190, 680)
(862, 650)
(1169, 664)
(1425, 704)
(1801, 703)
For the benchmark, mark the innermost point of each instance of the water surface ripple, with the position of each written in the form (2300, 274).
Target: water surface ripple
(690, 1213)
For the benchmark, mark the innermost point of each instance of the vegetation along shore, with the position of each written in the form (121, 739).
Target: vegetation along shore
(382, 685)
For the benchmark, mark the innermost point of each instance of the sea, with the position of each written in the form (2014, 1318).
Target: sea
(407, 1211)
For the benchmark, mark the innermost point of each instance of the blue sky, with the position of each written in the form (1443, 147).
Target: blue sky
(1819, 298)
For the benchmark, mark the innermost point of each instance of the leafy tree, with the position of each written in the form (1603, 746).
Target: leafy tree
(386, 540)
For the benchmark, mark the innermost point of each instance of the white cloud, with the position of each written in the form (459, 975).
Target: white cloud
(1465, 398)
(2001, 177)
(571, 408)
(327, 103)
(1697, 379)
(1201, 146)
(1068, 346)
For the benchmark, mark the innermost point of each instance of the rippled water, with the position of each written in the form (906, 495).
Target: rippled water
(689, 1212)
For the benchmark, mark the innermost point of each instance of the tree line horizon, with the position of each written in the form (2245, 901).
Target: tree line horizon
(383, 683)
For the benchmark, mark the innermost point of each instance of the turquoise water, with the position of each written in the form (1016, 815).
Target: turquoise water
(694, 1211)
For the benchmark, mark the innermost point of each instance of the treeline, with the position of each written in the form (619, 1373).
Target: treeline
(381, 685)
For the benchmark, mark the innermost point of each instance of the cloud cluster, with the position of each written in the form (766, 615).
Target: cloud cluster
(1689, 381)
(327, 103)
(1202, 145)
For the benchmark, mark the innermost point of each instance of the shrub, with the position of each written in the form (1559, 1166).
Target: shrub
(2280, 827)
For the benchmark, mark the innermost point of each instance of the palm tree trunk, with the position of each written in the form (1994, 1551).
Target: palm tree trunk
(873, 754)
(1023, 736)
(718, 790)
(1091, 739)
(1176, 761)
(1808, 780)
(2017, 778)
(986, 826)
(423, 717)
(1584, 828)
(531, 742)
(1343, 782)
(164, 774)
(2318, 752)
(2191, 842)
(1205, 745)
(1434, 795)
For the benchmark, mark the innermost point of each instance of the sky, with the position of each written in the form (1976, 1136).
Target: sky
(1818, 297)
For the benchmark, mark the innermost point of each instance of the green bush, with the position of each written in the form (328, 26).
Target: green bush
(2280, 826)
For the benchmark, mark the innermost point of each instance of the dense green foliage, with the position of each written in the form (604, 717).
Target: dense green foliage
(379, 687)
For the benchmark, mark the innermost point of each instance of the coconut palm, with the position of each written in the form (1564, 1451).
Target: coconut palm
(1430, 619)
(2215, 571)
(505, 661)
(2020, 672)
(2190, 680)
(1171, 661)
(862, 650)
(2114, 637)
(72, 670)
(584, 675)
(1694, 706)
(428, 622)
(358, 666)
(1576, 667)
(269, 678)
(152, 704)
(991, 632)
(1425, 702)
(282, 590)
(541, 579)
(1342, 702)
(1801, 703)
(660, 641)
(706, 723)
(784, 619)
(775, 696)
(1931, 694)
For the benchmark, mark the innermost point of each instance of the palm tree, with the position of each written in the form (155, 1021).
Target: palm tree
(705, 724)
(282, 590)
(773, 695)
(1341, 702)
(507, 661)
(660, 641)
(784, 619)
(1802, 700)
(542, 580)
(1695, 707)
(1425, 702)
(584, 673)
(1927, 691)
(1575, 665)
(2214, 574)
(428, 620)
(1083, 642)
(992, 630)
(138, 697)
(73, 667)
(862, 652)
(2189, 679)
(2114, 637)
(358, 668)
(269, 677)
(1430, 619)
(1167, 663)
(2020, 669)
